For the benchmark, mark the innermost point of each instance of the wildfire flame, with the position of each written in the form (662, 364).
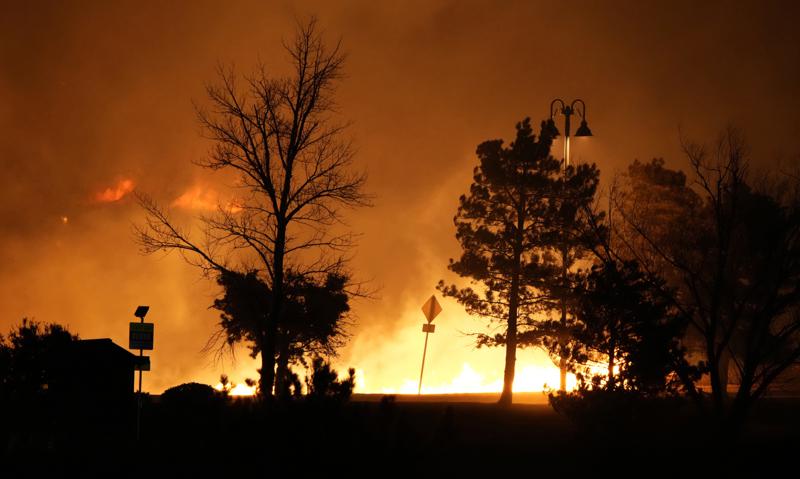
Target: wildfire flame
(530, 378)
(115, 193)
(202, 198)
(237, 389)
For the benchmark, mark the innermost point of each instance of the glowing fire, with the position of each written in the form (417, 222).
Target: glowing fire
(115, 193)
(237, 389)
(530, 378)
(389, 363)
(203, 198)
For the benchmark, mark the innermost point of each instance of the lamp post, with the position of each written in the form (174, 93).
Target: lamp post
(559, 106)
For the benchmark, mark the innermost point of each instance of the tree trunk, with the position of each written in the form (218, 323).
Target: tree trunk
(268, 362)
(611, 363)
(511, 354)
(713, 377)
(724, 367)
(562, 345)
(282, 374)
(513, 306)
(265, 381)
(268, 352)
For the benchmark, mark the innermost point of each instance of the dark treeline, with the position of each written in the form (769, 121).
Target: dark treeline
(195, 430)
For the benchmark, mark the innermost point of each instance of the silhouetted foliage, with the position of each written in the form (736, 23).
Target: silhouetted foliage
(190, 413)
(500, 225)
(295, 174)
(523, 228)
(617, 414)
(313, 320)
(572, 232)
(731, 251)
(625, 323)
(225, 384)
(190, 395)
(28, 358)
(32, 385)
(658, 215)
(324, 382)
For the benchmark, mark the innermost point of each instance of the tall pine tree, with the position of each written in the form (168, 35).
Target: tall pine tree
(501, 224)
(575, 230)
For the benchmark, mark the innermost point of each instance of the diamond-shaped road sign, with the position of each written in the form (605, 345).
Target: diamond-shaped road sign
(431, 308)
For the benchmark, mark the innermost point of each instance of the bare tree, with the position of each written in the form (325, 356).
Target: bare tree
(294, 162)
(731, 247)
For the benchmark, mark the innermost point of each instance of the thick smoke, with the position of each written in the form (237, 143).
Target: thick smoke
(96, 98)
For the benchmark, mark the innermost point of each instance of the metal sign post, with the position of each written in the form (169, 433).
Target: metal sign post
(431, 309)
(139, 399)
(141, 338)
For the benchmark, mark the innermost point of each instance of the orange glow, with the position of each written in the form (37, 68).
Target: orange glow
(390, 363)
(238, 390)
(205, 199)
(528, 378)
(115, 193)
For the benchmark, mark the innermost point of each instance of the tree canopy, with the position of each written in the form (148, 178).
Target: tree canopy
(500, 225)
(727, 245)
(294, 163)
(313, 323)
(27, 359)
(623, 322)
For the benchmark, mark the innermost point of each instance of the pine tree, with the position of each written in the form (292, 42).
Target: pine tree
(501, 224)
(575, 230)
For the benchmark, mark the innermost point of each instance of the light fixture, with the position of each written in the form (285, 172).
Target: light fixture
(583, 130)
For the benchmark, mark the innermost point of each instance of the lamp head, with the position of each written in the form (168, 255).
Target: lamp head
(583, 130)
(550, 126)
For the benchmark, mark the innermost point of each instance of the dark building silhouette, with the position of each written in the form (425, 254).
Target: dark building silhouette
(95, 389)
(101, 369)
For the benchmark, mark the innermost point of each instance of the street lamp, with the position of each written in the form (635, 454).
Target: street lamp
(559, 106)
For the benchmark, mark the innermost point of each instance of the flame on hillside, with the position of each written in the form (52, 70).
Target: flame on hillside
(116, 192)
(204, 199)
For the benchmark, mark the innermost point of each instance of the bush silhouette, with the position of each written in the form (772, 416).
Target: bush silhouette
(191, 395)
(324, 382)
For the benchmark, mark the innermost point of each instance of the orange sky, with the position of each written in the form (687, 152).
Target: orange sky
(96, 99)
